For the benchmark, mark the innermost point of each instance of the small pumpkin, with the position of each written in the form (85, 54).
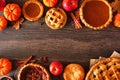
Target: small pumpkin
(50, 3)
(117, 20)
(5, 66)
(3, 23)
(12, 12)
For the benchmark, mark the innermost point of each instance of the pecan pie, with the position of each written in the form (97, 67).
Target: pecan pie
(32, 10)
(96, 14)
(33, 72)
(56, 18)
(73, 72)
(106, 69)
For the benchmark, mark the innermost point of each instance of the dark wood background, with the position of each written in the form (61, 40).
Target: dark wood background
(67, 45)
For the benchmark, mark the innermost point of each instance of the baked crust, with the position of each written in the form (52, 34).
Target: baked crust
(74, 72)
(32, 10)
(35, 66)
(89, 25)
(106, 69)
(56, 18)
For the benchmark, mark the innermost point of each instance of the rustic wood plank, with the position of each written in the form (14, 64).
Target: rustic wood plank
(67, 45)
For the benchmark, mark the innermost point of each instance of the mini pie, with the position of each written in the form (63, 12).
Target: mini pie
(73, 72)
(106, 69)
(95, 14)
(56, 18)
(32, 10)
(33, 72)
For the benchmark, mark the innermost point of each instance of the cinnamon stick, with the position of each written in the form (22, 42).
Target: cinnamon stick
(77, 15)
(77, 22)
(27, 60)
(22, 61)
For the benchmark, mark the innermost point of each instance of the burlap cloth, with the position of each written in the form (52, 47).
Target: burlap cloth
(93, 61)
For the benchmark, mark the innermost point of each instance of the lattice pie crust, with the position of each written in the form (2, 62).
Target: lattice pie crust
(107, 69)
(56, 18)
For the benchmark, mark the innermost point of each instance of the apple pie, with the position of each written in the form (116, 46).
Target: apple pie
(106, 69)
(73, 72)
(95, 14)
(56, 18)
(32, 10)
(33, 72)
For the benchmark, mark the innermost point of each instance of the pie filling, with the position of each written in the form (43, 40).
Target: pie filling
(32, 10)
(33, 73)
(96, 13)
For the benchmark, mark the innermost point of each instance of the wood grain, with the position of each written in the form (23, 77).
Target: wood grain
(67, 45)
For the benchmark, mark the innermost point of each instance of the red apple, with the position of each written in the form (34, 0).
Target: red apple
(70, 5)
(2, 4)
(56, 68)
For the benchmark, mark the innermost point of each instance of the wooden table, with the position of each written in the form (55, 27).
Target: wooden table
(67, 45)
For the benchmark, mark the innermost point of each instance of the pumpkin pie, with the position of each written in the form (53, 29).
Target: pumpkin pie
(56, 18)
(32, 10)
(33, 71)
(96, 14)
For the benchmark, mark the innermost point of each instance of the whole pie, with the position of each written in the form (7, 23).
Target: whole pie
(73, 72)
(32, 10)
(56, 18)
(33, 72)
(106, 69)
(96, 14)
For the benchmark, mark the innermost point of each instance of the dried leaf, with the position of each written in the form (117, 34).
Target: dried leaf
(17, 23)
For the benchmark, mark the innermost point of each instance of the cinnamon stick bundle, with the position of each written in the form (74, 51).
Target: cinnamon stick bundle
(23, 62)
(76, 20)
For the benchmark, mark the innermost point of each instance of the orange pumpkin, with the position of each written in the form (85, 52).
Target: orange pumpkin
(117, 20)
(5, 66)
(12, 12)
(50, 3)
(3, 23)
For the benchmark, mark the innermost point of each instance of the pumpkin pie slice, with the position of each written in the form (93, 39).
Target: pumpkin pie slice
(33, 71)
(32, 10)
(96, 14)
